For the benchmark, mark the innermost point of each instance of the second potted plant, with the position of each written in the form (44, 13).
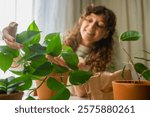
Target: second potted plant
(133, 89)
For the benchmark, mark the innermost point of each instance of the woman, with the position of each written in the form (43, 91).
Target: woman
(92, 40)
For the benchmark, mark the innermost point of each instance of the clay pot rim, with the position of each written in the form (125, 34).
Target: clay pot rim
(132, 82)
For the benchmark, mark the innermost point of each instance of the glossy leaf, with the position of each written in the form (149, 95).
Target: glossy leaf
(30, 98)
(139, 67)
(25, 82)
(71, 59)
(146, 75)
(62, 94)
(34, 27)
(79, 77)
(58, 69)
(5, 61)
(53, 42)
(43, 69)
(26, 36)
(130, 36)
(54, 84)
(67, 48)
(142, 69)
(7, 50)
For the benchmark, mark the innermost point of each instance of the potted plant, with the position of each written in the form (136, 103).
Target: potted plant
(133, 89)
(37, 67)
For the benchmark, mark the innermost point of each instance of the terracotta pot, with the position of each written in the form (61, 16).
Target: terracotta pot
(131, 90)
(44, 93)
(12, 96)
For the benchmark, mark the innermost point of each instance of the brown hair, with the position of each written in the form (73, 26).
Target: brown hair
(101, 51)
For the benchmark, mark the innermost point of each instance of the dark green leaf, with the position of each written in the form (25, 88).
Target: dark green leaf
(62, 94)
(59, 69)
(26, 36)
(38, 60)
(43, 69)
(130, 36)
(71, 59)
(79, 77)
(139, 67)
(53, 42)
(30, 98)
(54, 84)
(146, 75)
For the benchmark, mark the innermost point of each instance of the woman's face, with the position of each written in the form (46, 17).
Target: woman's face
(92, 29)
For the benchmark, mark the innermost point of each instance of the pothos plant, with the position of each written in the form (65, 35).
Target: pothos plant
(140, 69)
(36, 65)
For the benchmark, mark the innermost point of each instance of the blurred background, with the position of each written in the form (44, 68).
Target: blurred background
(60, 16)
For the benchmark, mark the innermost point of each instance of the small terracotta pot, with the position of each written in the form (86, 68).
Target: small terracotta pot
(43, 92)
(12, 96)
(131, 90)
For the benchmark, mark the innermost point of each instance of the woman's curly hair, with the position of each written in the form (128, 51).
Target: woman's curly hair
(101, 51)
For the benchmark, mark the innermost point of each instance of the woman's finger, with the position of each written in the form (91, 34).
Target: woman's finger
(13, 45)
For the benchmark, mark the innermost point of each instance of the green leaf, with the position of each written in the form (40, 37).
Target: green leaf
(26, 36)
(5, 61)
(43, 69)
(146, 75)
(71, 59)
(33, 26)
(143, 70)
(53, 42)
(139, 67)
(7, 50)
(54, 84)
(67, 48)
(130, 36)
(25, 82)
(79, 77)
(62, 94)
(34, 51)
(58, 69)
(38, 60)
(30, 98)
(39, 49)
(122, 73)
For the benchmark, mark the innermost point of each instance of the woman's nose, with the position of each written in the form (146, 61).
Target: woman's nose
(91, 27)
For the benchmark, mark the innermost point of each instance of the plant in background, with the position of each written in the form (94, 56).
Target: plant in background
(140, 68)
(36, 65)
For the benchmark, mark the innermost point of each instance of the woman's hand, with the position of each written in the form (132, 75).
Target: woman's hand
(82, 65)
(9, 36)
(57, 60)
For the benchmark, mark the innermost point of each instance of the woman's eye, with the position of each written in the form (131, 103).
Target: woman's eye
(100, 25)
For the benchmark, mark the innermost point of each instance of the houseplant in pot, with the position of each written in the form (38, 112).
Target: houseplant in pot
(37, 66)
(135, 89)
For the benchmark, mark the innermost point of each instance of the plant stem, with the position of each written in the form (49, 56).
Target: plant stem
(38, 86)
(130, 60)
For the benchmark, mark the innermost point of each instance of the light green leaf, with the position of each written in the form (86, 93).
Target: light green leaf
(53, 42)
(5, 61)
